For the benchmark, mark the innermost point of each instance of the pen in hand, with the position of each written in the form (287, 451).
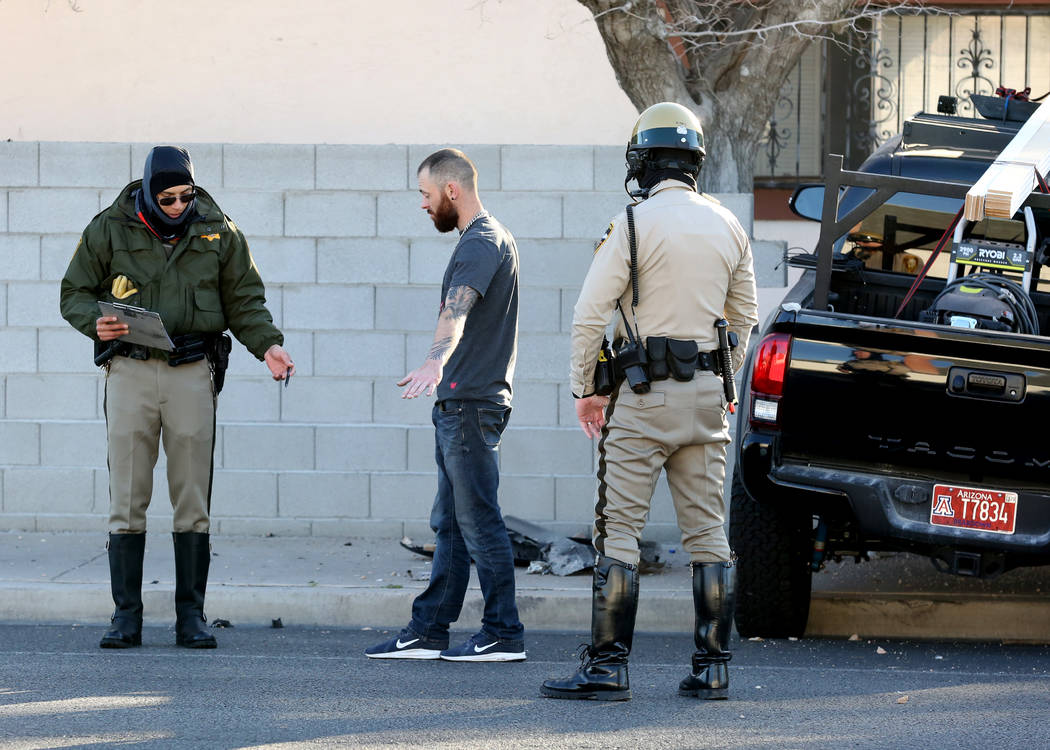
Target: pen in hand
(287, 376)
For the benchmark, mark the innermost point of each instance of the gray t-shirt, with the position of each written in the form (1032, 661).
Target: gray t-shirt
(482, 366)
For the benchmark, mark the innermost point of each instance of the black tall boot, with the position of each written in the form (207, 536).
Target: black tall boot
(192, 558)
(603, 670)
(125, 581)
(714, 598)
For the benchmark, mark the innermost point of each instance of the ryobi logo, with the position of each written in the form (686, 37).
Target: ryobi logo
(991, 255)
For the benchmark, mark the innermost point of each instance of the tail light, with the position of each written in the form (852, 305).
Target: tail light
(767, 378)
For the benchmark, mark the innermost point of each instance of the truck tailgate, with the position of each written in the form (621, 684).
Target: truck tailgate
(943, 403)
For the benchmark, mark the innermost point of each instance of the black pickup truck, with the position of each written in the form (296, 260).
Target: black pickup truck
(890, 407)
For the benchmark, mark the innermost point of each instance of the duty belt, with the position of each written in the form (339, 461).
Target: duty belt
(677, 358)
(191, 347)
(708, 361)
(132, 351)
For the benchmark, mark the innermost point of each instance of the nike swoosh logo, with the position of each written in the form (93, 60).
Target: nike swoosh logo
(478, 649)
(406, 643)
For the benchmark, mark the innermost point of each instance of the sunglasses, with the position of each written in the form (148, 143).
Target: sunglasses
(185, 198)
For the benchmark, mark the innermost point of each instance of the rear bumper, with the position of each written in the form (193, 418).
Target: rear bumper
(887, 508)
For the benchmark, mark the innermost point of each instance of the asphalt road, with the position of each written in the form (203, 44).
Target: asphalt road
(313, 687)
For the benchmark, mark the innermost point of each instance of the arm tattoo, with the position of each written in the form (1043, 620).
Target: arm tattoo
(459, 301)
(453, 318)
(440, 349)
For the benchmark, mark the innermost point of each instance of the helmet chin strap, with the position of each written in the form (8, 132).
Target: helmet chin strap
(640, 192)
(635, 168)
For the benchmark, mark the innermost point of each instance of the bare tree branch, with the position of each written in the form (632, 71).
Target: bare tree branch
(73, 5)
(727, 60)
(702, 24)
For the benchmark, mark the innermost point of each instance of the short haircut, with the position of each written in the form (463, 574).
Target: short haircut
(451, 165)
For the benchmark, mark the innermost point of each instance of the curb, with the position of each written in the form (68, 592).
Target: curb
(1013, 619)
(334, 606)
(1016, 619)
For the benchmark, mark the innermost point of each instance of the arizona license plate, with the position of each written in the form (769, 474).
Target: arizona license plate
(973, 508)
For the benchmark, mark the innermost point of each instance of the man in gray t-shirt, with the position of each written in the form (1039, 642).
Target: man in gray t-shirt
(469, 367)
(482, 366)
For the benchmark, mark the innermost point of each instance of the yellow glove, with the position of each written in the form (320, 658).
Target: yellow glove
(122, 288)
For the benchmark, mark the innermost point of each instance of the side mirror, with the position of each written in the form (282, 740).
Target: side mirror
(808, 201)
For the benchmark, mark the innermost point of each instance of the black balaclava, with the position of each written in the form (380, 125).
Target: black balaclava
(166, 166)
(668, 164)
(651, 177)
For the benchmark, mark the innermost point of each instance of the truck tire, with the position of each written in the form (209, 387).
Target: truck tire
(773, 581)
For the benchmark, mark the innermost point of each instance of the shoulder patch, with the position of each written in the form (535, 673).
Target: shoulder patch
(210, 237)
(599, 243)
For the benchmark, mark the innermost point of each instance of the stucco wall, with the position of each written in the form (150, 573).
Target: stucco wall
(334, 71)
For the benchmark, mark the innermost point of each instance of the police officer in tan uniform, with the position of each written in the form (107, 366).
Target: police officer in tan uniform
(694, 267)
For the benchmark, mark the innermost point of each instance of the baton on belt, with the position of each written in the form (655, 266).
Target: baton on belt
(726, 340)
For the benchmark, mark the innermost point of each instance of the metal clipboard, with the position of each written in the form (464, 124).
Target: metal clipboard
(144, 326)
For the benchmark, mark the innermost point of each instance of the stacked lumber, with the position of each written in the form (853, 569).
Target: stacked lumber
(1012, 177)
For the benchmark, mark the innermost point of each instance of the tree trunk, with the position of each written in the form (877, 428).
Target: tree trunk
(732, 85)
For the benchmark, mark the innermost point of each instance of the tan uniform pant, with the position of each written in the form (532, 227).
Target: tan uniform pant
(681, 428)
(146, 401)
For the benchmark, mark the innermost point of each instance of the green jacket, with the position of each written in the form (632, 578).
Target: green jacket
(209, 283)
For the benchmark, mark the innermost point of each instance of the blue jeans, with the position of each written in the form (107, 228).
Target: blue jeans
(468, 524)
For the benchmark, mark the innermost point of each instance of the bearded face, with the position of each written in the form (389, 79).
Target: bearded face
(444, 214)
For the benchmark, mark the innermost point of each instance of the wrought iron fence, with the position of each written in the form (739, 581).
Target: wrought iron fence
(852, 101)
(793, 144)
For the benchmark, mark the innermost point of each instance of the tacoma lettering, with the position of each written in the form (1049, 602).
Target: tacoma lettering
(960, 452)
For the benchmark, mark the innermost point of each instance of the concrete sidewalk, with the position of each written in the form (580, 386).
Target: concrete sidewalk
(358, 582)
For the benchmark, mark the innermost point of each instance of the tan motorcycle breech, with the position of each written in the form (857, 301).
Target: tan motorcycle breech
(678, 427)
(147, 401)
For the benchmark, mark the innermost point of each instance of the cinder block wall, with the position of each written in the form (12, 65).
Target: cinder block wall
(353, 269)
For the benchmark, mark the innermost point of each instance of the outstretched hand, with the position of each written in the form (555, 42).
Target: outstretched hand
(423, 380)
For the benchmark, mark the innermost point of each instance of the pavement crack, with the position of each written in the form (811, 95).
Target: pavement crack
(89, 561)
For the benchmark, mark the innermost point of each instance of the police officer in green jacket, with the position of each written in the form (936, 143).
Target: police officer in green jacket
(166, 246)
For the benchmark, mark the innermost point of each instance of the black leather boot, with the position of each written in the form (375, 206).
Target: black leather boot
(192, 558)
(714, 597)
(125, 581)
(603, 670)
